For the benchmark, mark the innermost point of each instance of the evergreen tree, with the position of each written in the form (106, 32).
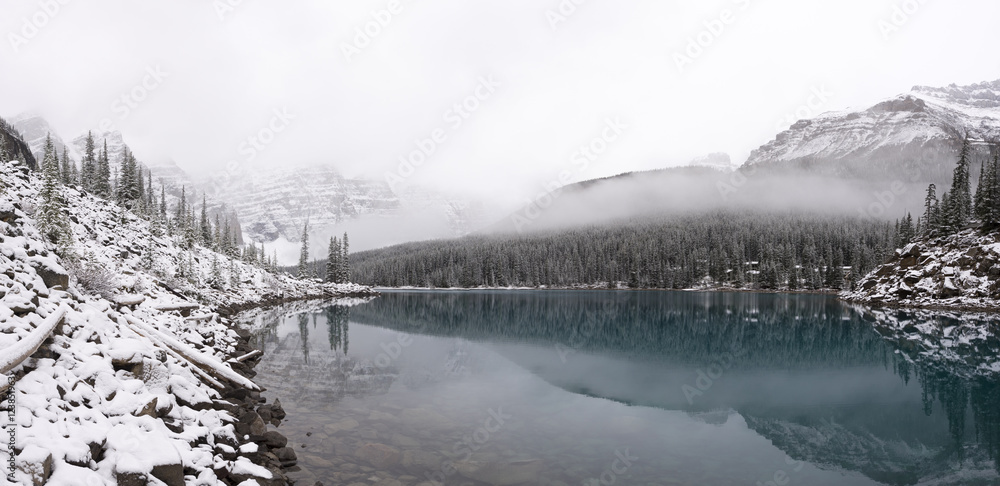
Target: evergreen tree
(205, 226)
(127, 188)
(333, 261)
(303, 267)
(217, 236)
(102, 180)
(930, 204)
(180, 212)
(961, 200)
(345, 262)
(65, 173)
(52, 219)
(88, 174)
(163, 204)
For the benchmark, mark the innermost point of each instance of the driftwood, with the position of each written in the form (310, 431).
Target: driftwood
(247, 356)
(185, 309)
(206, 363)
(129, 300)
(15, 354)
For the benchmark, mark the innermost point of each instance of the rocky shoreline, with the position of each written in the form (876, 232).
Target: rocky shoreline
(266, 448)
(959, 272)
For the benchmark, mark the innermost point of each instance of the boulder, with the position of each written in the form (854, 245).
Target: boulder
(275, 440)
(379, 455)
(54, 276)
(170, 474)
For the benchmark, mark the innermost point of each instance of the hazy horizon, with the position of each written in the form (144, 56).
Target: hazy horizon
(537, 80)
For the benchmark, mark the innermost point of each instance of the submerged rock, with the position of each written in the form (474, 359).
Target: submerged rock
(379, 455)
(501, 473)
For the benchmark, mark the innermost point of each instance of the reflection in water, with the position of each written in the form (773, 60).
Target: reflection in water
(714, 388)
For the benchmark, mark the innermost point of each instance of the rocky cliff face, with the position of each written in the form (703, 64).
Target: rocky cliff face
(913, 136)
(958, 271)
(13, 144)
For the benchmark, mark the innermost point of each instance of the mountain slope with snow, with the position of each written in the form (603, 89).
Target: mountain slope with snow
(122, 362)
(911, 137)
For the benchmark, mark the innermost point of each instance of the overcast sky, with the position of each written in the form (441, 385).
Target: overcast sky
(557, 77)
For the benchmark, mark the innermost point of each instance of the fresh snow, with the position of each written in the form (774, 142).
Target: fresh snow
(105, 389)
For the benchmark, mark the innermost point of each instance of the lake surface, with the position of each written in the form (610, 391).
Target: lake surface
(632, 388)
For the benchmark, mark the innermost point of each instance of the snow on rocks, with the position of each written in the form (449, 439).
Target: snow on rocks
(120, 357)
(961, 271)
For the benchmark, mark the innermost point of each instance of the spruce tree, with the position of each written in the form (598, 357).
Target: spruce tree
(930, 203)
(52, 219)
(303, 268)
(333, 261)
(205, 227)
(345, 261)
(961, 201)
(64, 172)
(102, 180)
(88, 174)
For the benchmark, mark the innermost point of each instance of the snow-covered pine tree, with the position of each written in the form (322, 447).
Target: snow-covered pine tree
(52, 219)
(930, 203)
(65, 173)
(333, 261)
(102, 179)
(303, 268)
(961, 200)
(345, 261)
(204, 226)
(217, 234)
(180, 211)
(88, 173)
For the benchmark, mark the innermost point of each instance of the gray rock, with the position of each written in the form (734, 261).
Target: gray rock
(170, 474)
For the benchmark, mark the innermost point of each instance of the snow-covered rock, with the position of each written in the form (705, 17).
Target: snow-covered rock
(961, 271)
(112, 384)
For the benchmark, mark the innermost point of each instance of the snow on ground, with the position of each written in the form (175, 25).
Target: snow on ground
(961, 271)
(125, 386)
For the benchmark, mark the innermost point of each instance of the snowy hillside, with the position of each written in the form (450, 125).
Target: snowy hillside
(958, 271)
(123, 365)
(912, 136)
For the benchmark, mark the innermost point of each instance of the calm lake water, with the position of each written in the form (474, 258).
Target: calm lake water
(631, 388)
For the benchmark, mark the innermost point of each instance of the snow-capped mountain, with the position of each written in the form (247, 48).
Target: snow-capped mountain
(914, 135)
(274, 203)
(34, 129)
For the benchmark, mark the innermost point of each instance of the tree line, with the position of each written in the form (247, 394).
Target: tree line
(714, 249)
(132, 188)
(336, 268)
(959, 207)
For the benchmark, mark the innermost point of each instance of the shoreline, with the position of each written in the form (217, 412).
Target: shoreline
(838, 293)
(249, 408)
